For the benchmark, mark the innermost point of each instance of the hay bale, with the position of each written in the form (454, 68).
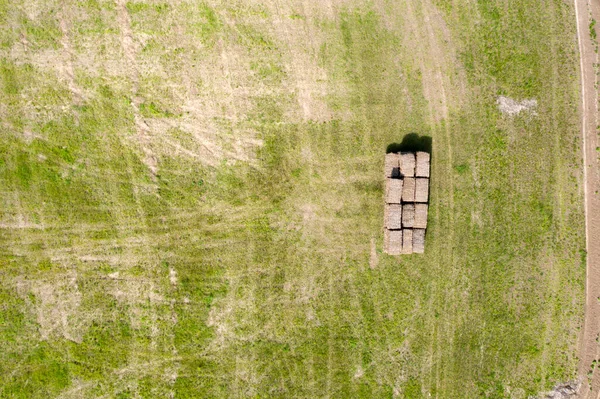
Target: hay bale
(418, 245)
(393, 190)
(407, 164)
(408, 190)
(386, 240)
(407, 241)
(392, 165)
(408, 215)
(421, 189)
(393, 216)
(422, 169)
(386, 212)
(420, 216)
(394, 242)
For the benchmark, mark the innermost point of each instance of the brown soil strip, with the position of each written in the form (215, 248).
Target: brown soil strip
(589, 346)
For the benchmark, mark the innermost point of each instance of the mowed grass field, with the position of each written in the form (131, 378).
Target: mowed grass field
(191, 199)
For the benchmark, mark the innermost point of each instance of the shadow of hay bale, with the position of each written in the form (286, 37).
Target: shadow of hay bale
(412, 142)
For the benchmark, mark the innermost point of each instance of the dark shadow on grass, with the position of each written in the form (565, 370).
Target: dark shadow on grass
(412, 142)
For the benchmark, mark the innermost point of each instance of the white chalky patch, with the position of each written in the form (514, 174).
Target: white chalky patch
(511, 107)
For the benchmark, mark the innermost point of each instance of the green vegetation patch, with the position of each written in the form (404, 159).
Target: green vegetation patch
(207, 222)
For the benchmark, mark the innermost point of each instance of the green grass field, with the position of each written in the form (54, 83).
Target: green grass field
(191, 199)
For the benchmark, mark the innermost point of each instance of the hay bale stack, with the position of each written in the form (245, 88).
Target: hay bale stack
(407, 241)
(407, 164)
(408, 215)
(392, 165)
(393, 215)
(393, 190)
(422, 169)
(408, 190)
(420, 221)
(406, 202)
(421, 189)
(418, 243)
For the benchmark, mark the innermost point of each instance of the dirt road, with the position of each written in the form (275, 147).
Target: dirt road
(589, 370)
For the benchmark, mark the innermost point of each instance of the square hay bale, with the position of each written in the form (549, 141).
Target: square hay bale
(421, 189)
(393, 216)
(422, 169)
(386, 213)
(394, 242)
(408, 215)
(392, 165)
(420, 216)
(393, 190)
(407, 241)
(407, 164)
(418, 245)
(386, 240)
(408, 190)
